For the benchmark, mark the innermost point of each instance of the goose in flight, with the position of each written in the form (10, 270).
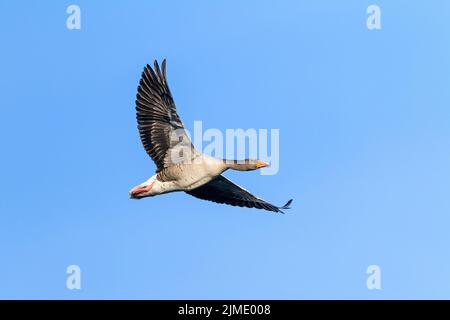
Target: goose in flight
(179, 166)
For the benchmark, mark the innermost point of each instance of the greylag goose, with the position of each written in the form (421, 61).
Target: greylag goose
(179, 166)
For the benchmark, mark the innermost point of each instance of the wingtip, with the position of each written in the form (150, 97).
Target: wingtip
(287, 205)
(163, 68)
(156, 63)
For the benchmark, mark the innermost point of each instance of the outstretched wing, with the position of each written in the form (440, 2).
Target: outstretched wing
(160, 128)
(222, 190)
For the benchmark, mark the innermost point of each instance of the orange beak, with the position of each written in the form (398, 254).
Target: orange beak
(261, 164)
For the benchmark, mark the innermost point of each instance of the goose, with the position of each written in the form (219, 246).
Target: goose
(179, 166)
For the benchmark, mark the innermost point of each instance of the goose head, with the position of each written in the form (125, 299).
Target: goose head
(145, 189)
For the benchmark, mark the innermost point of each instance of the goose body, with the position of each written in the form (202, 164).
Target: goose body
(187, 176)
(180, 167)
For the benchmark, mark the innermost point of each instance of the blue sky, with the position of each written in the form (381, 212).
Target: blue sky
(364, 125)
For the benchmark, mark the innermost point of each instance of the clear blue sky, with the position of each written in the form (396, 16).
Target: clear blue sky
(364, 123)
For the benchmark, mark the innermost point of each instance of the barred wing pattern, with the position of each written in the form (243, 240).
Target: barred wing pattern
(160, 128)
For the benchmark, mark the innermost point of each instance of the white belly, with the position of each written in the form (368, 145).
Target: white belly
(194, 175)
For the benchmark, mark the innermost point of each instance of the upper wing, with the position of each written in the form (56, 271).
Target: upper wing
(222, 190)
(160, 128)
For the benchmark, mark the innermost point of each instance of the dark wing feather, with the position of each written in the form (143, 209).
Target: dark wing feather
(160, 128)
(222, 190)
